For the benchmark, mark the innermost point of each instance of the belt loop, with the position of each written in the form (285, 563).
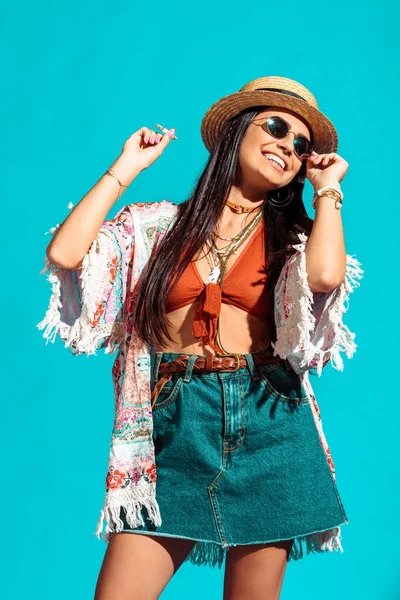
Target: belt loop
(189, 368)
(251, 366)
(157, 362)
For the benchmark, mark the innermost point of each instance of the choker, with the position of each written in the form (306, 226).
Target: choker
(238, 208)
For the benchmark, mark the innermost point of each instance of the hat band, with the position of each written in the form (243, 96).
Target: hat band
(283, 92)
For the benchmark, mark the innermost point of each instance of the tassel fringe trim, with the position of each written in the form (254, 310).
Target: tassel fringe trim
(132, 502)
(82, 337)
(291, 340)
(207, 553)
(316, 543)
(212, 554)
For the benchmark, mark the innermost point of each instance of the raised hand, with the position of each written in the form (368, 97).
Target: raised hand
(326, 169)
(145, 146)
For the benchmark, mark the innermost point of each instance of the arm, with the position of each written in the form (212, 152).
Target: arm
(78, 231)
(312, 292)
(76, 234)
(87, 304)
(86, 308)
(326, 252)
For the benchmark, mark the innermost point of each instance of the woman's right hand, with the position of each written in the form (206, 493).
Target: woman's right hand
(145, 146)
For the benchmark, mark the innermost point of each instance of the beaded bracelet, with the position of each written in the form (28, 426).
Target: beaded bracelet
(331, 192)
(121, 185)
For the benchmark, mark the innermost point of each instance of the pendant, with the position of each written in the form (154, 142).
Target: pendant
(214, 275)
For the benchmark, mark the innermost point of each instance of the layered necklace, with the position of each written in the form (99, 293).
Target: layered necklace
(217, 258)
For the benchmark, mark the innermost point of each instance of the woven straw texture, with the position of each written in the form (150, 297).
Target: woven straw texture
(325, 138)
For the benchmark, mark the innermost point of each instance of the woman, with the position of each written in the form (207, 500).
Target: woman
(219, 308)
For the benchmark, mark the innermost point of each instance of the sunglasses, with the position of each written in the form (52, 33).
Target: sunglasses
(279, 128)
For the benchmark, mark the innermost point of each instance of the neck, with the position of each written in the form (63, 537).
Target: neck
(231, 222)
(239, 208)
(246, 197)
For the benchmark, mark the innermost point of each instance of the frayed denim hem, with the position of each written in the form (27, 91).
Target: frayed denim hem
(213, 554)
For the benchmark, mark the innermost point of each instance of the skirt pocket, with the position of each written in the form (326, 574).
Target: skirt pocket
(284, 385)
(169, 393)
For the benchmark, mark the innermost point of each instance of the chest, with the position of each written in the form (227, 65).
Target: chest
(247, 263)
(243, 284)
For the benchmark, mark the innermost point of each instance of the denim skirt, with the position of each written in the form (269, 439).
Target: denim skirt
(239, 460)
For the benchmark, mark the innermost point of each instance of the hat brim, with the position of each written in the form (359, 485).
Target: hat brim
(325, 138)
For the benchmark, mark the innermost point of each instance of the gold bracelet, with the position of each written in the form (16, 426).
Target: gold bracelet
(331, 192)
(121, 185)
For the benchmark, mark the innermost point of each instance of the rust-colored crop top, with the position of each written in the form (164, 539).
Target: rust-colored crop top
(244, 286)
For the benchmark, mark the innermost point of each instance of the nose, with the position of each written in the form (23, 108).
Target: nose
(286, 143)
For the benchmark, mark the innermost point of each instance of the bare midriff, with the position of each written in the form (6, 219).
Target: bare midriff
(241, 331)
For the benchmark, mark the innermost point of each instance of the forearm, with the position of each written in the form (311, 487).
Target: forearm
(75, 235)
(325, 251)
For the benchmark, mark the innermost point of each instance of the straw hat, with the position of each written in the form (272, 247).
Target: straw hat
(272, 91)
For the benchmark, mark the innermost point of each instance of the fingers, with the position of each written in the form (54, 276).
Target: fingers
(322, 159)
(315, 159)
(141, 132)
(153, 138)
(325, 161)
(146, 135)
(146, 138)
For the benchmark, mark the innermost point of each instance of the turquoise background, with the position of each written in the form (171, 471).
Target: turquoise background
(77, 79)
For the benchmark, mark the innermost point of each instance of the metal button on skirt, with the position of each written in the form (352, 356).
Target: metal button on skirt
(239, 461)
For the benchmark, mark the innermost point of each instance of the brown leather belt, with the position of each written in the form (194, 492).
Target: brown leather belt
(226, 363)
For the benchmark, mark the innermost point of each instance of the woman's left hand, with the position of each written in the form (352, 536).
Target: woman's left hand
(326, 169)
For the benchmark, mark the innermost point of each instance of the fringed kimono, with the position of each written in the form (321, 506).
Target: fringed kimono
(92, 308)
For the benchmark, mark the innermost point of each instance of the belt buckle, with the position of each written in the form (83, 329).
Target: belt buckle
(236, 367)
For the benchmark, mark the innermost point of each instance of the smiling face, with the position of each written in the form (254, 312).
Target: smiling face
(258, 171)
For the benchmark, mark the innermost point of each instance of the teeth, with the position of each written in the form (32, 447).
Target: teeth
(276, 159)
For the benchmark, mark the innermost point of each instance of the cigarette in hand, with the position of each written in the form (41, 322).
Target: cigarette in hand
(164, 130)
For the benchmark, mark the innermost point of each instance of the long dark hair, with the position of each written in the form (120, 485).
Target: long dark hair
(195, 221)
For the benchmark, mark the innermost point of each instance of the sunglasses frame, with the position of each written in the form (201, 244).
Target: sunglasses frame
(265, 127)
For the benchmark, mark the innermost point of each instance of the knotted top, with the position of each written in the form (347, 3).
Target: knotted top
(244, 286)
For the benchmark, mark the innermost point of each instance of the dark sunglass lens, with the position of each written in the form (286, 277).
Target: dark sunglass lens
(302, 147)
(277, 127)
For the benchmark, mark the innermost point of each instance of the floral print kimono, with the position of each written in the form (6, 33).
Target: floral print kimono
(92, 308)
